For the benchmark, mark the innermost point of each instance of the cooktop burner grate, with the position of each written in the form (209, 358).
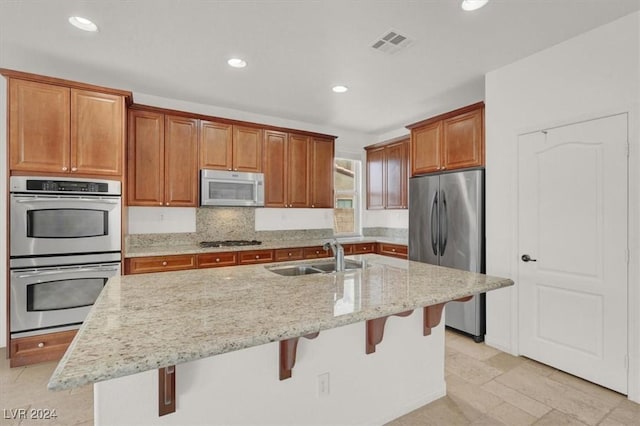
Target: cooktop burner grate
(230, 243)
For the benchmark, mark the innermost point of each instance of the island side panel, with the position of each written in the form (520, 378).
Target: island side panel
(243, 387)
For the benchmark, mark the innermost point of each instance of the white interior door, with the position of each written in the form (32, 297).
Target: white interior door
(572, 223)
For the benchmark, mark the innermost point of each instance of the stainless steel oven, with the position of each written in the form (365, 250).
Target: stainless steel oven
(51, 216)
(59, 298)
(65, 238)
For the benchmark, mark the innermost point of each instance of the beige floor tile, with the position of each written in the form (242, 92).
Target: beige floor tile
(608, 396)
(556, 418)
(564, 398)
(474, 396)
(537, 367)
(510, 415)
(515, 398)
(13, 416)
(444, 411)
(470, 369)
(608, 421)
(626, 412)
(505, 362)
(467, 346)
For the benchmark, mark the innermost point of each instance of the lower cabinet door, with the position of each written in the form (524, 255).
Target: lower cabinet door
(214, 260)
(35, 349)
(143, 265)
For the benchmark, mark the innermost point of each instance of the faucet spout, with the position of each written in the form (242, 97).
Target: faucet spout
(338, 253)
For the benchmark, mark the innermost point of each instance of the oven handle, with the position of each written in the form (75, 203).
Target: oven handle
(48, 200)
(64, 271)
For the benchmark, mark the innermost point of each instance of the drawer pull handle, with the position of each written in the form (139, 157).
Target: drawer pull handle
(164, 263)
(290, 254)
(74, 169)
(217, 259)
(41, 345)
(393, 250)
(257, 256)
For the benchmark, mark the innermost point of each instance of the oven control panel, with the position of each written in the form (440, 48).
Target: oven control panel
(35, 184)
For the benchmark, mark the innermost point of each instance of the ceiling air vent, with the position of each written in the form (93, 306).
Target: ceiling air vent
(391, 42)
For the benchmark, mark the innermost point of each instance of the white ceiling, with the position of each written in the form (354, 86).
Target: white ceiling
(296, 50)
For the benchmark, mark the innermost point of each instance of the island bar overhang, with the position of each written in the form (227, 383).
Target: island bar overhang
(236, 312)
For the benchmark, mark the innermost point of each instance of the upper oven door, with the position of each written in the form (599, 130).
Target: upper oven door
(61, 224)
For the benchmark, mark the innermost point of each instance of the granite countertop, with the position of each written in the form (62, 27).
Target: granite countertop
(172, 249)
(149, 321)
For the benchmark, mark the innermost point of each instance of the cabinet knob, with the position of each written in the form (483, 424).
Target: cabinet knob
(64, 169)
(160, 203)
(217, 259)
(393, 250)
(167, 204)
(313, 205)
(41, 345)
(290, 205)
(74, 169)
(290, 254)
(164, 263)
(229, 169)
(236, 169)
(257, 256)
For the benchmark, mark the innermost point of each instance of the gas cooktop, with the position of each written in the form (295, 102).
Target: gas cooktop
(226, 243)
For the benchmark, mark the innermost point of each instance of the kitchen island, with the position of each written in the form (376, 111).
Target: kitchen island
(359, 369)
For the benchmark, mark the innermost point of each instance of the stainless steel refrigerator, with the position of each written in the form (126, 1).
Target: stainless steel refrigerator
(446, 228)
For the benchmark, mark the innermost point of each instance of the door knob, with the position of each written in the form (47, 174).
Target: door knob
(527, 258)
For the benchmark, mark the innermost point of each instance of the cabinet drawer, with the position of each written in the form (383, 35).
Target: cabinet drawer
(45, 347)
(361, 248)
(214, 260)
(348, 248)
(395, 250)
(316, 252)
(255, 256)
(289, 254)
(143, 265)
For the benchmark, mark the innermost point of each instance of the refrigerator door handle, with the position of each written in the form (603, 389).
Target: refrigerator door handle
(444, 225)
(434, 224)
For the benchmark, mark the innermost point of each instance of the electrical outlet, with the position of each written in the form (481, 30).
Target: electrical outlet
(323, 385)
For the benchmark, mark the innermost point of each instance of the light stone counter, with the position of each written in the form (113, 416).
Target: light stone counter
(149, 321)
(172, 249)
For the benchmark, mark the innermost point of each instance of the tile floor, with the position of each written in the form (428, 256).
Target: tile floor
(485, 387)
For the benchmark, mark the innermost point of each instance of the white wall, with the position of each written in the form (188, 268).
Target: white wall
(3, 212)
(589, 76)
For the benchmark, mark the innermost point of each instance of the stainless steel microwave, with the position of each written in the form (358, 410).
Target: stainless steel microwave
(229, 188)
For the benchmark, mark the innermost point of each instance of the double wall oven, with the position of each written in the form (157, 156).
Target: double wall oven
(65, 244)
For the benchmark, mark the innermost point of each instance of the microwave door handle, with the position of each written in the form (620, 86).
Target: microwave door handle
(63, 271)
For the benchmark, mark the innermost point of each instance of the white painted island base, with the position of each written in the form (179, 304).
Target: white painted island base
(243, 387)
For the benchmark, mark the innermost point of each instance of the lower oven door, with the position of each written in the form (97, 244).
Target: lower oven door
(45, 300)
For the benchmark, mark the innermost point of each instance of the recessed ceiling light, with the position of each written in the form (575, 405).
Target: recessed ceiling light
(83, 23)
(339, 89)
(470, 5)
(237, 63)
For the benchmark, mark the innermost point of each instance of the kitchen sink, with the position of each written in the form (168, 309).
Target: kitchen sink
(323, 267)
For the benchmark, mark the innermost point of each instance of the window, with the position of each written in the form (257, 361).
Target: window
(346, 181)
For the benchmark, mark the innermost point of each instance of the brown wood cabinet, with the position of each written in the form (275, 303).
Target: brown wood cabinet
(394, 250)
(316, 252)
(362, 248)
(57, 129)
(321, 162)
(225, 146)
(163, 160)
(255, 256)
(35, 349)
(286, 169)
(143, 265)
(450, 141)
(215, 260)
(387, 175)
(283, 255)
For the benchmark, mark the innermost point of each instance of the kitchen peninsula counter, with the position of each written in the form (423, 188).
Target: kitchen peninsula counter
(146, 322)
(170, 248)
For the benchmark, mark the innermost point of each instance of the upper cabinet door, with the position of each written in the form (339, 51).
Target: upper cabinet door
(275, 166)
(145, 159)
(247, 149)
(216, 145)
(39, 116)
(298, 171)
(396, 159)
(464, 140)
(375, 178)
(426, 156)
(321, 173)
(97, 133)
(181, 162)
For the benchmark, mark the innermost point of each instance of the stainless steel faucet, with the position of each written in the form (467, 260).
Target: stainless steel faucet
(338, 253)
